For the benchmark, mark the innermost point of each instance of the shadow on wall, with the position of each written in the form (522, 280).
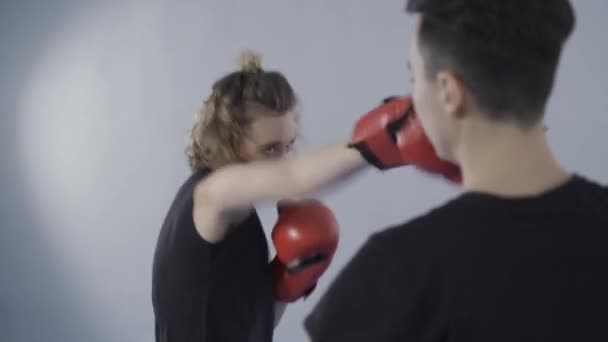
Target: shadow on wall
(37, 301)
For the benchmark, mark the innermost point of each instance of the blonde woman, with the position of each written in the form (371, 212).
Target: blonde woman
(212, 279)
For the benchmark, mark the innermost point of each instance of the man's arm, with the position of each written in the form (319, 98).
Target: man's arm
(375, 297)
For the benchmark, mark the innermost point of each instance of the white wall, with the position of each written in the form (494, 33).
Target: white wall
(97, 99)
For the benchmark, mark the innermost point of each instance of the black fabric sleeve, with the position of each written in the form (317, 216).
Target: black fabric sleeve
(379, 296)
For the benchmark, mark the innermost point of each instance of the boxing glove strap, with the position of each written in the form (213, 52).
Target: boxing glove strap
(392, 128)
(302, 265)
(367, 154)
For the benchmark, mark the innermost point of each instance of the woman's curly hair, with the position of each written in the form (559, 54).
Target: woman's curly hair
(219, 126)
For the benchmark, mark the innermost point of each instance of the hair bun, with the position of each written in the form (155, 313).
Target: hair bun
(250, 61)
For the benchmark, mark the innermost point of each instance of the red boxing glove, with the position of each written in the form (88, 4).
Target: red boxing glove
(391, 135)
(305, 237)
(374, 136)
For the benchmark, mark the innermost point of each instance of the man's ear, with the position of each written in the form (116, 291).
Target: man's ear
(451, 92)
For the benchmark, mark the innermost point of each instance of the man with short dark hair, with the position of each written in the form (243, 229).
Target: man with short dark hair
(521, 255)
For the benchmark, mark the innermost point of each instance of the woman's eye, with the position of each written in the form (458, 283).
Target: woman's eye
(270, 150)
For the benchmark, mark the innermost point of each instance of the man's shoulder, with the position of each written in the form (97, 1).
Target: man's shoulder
(434, 220)
(430, 229)
(597, 189)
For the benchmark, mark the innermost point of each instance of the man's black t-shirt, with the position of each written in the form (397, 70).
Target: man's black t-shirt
(204, 292)
(480, 268)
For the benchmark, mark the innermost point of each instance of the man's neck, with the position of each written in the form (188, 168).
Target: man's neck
(508, 162)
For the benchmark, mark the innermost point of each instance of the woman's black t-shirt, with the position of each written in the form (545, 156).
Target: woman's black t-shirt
(210, 292)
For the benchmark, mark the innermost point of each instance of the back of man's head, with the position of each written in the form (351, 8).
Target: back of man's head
(506, 52)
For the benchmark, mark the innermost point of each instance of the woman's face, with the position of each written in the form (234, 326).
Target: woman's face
(270, 135)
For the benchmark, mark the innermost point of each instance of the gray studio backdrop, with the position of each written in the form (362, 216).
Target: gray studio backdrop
(97, 99)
